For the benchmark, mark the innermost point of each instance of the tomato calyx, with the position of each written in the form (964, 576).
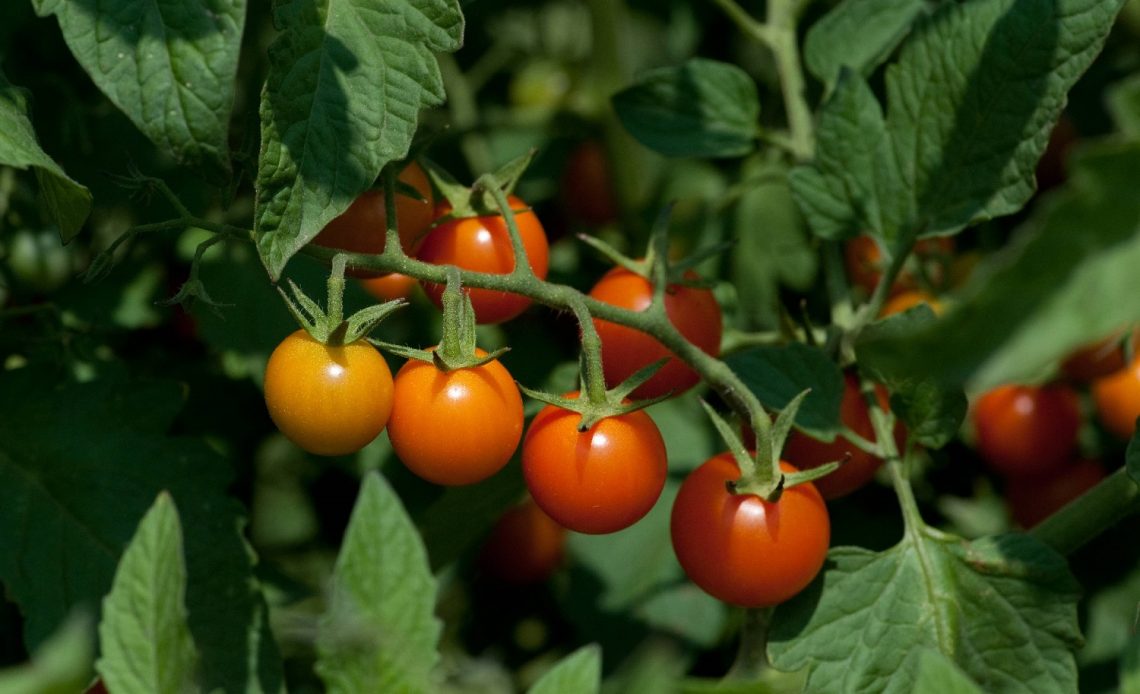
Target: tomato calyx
(328, 325)
(481, 198)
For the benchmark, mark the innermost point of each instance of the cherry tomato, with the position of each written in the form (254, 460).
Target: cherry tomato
(861, 466)
(455, 427)
(362, 228)
(525, 546)
(483, 244)
(866, 263)
(1097, 360)
(1026, 430)
(1117, 399)
(741, 549)
(909, 299)
(597, 481)
(693, 311)
(1051, 167)
(390, 286)
(1033, 499)
(587, 187)
(328, 400)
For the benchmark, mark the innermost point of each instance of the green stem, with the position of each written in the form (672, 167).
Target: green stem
(782, 39)
(391, 222)
(594, 376)
(752, 656)
(1091, 513)
(522, 260)
(335, 306)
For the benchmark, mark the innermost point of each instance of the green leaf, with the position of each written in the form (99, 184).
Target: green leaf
(778, 373)
(858, 34)
(702, 108)
(169, 66)
(61, 665)
(1038, 290)
(1123, 101)
(971, 101)
(66, 202)
(580, 672)
(1130, 666)
(144, 638)
(380, 632)
(1003, 609)
(938, 673)
(71, 465)
(346, 83)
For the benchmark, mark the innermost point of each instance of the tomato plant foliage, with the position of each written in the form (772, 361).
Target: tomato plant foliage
(165, 168)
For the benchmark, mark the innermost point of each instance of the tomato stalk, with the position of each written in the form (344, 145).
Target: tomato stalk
(1090, 514)
(751, 656)
(593, 377)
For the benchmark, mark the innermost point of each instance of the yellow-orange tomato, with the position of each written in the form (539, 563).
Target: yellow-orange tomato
(362, 228)
(909, 299)
(1117, 399)
(328, 400)
(455, 427)
(525, 546)
(388, 287)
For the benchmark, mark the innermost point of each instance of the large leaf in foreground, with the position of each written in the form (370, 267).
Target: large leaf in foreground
(380, 632)
(67, 202)
(80, 465)
(346, 83)
(1004, 609)
(168, 64)
(970, 104)
(145, 641)
(857, 34)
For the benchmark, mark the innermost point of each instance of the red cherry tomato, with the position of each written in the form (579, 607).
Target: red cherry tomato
(861, 466)
(362, 227)
(865, 261)
(483, 244)
(744, 550)
(1033, 499)
(328, 400)
(693, 311)
(597, 481)
(1026, 430)
(1117, 399)
(390, 286)
(1097, 360)
(525, 546)
(587, 189)
(455, 427)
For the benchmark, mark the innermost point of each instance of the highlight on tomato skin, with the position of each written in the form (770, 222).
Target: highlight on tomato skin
(742, 549)
(1033, 499)
(1117, 399)
(1026, 430)
(525, 546)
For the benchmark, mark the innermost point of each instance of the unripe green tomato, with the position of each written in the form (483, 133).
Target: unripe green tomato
(38, 259)
(540, 86)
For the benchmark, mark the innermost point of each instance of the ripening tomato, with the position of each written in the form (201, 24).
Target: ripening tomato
(596, 481)
(693, 311)
(1027, 430)
(741, 549)
(328, 400)
(483, 244)
(809, 452)
(909, 299)
(587, 189)
(1097, 360)
(455, 427)
(362, 228)
(1033, 499)
(390, 286)
(1117, 399)
(866, 263)
(525, 546)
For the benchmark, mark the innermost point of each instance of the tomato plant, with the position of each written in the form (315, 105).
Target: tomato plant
(1033, 499)
(455, 427)
(1026, 430)
(1097, 360)
(1117, 398)
(525, 545)
(693, 311)
(390, 286)
(328, 400)
(866, 262)
(587, 187)
(596, 481)
(483, 244)
(742, 549)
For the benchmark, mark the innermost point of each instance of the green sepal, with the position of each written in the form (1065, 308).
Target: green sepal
(784, 421)
(477, 200)
(740, 454)
(637, 267)
(592, 413)
(791, 479)
(639, 377)
(402, 350)
(361, 323)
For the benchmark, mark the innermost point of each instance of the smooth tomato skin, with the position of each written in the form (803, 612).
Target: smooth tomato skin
(693, 311)
(741, 549)
(458, 427)
(525, 546)
(1033, 499)
(1117, 399)
(483, 244)
(861, 466)
(587, 188)
(390, 286)
(1027, 430)
(362, 228)
(328, 400)
(598, 481)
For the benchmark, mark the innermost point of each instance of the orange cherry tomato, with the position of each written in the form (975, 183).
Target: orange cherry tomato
(866, 262)
(389, 287)
(909, 299)
(328, 400)
(693, 311)
(1033, 499)
(525, 546)
(1117, 399)
(483, 244)
(596, 481)
(741, 549)
(1027, 430)
(455, 427)
(362, 227)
